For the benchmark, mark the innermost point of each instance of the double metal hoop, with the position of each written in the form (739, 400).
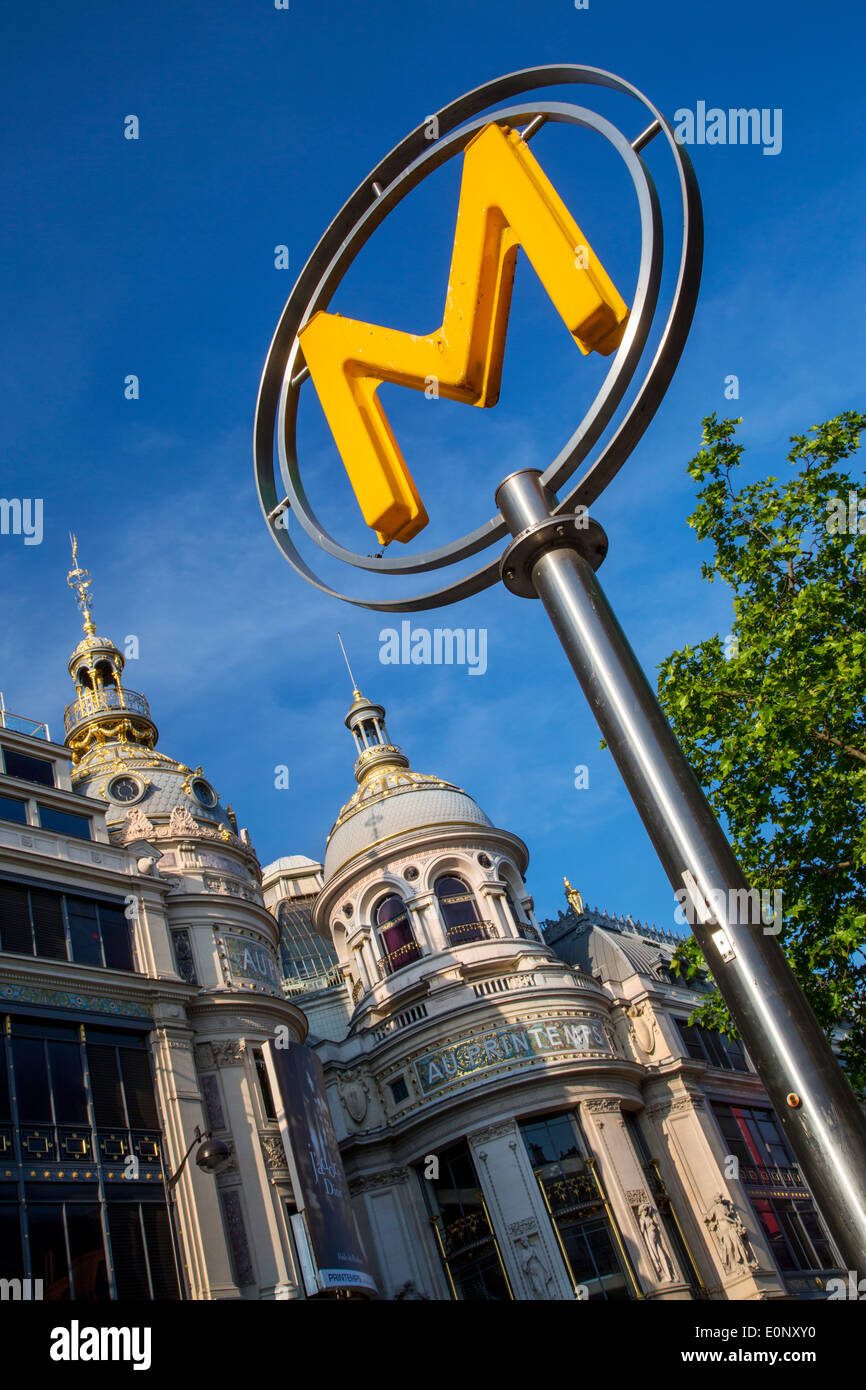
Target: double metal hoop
(389, 183)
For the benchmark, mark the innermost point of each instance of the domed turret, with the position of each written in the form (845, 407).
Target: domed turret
(113, 739)
(391, 799)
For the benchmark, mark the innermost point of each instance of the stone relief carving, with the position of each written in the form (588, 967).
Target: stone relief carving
(237, 1230)
(650, 1229)
(487, 1133)
(602, 1107)
(528, 1226)
(536, 1270)
(642, 1028)
(372, 1182)
(180, 822)
(137, 826)
(213, 1105)
(636, 1195)
(230, 1053)
(725, 1223)
(274, 1152)
(354, 1095)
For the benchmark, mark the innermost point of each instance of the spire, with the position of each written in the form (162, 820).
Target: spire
(79, 582)
(104, 710)
(355, 691)
(366, 723)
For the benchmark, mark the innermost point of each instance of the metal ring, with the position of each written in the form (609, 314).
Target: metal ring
(391, 181)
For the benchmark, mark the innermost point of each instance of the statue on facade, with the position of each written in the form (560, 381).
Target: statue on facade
(538, 1276)
(652, 1238)
(725, 1222)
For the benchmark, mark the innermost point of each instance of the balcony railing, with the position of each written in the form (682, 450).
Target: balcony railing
(326, 979)
(471, 931)
(107, 699)
(528, 933)
(399, 959)
(774, 1177)
(20, 724)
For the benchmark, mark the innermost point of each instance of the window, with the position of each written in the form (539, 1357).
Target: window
(399, 1090)
(65, 822)
(75, 1102)
(27, 768)
(13, 809)
(779, 1196)
(43, 922)
(264, 1084)
(706, 1045)
(459, 913)
(399, 947)
(466, 1241)
(590, 1244)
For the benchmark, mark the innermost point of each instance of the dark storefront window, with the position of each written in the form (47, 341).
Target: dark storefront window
(461, 1225)
(60, 926)
(581, 1220)
(777, 1191)
(80, 1139)
(706, 1045)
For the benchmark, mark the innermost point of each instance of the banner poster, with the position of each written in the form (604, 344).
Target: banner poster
(311, 1144)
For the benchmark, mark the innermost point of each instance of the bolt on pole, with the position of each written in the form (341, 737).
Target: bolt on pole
(552, 559)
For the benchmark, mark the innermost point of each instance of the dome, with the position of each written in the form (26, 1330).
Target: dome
(392, 802)
(128, 776)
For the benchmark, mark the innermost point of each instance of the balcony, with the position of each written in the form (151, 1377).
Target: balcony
(106, 700)
(528, 933)
(19, 724)
(399, 959)
(772, 1180)
(471, 931)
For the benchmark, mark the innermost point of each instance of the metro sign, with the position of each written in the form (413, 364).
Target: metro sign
(506, 201)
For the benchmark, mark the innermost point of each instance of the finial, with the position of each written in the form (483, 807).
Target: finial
(355, 691)
(79, 582)
(575, 901)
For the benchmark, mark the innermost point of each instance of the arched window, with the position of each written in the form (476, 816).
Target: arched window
(459, 913)
(399, 946)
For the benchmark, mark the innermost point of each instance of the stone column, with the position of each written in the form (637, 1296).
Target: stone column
(426, 927)
(691, 1160)
(639, 1222)
(519, 1217)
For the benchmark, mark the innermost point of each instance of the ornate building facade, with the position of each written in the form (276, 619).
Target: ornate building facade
(526, 1113)
(140, 981)
(504, 1109)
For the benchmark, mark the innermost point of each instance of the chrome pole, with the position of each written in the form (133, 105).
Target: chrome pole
(553, 558)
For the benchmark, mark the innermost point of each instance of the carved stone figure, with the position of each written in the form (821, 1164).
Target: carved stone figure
(724, 1221)
(538, 1276)
(652, 1238)
(643, 1028)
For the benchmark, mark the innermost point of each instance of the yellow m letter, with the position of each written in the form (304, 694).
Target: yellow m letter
(506, 201)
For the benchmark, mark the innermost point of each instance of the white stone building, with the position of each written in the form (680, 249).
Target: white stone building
(526, 1115)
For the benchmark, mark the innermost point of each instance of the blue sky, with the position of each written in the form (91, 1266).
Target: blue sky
(156, 257)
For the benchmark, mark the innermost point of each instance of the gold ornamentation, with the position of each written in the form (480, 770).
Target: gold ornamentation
(79, 582)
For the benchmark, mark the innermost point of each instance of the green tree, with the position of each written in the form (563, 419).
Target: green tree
(772, 717)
